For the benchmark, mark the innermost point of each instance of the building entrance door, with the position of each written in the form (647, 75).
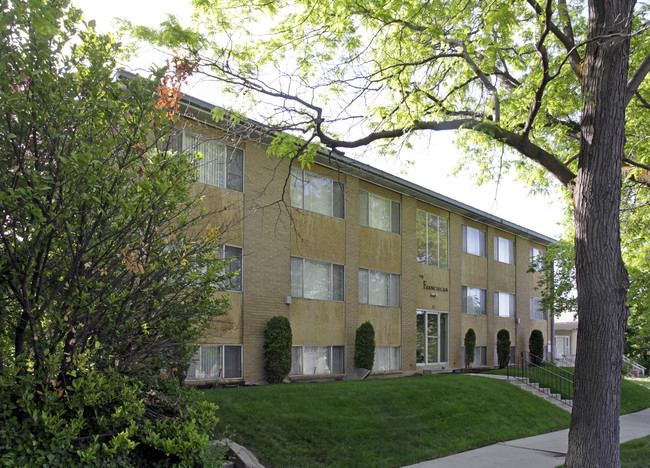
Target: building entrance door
(432, 337)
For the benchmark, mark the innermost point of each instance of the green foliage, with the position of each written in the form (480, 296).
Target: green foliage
(103, 419)
(503, 348)
(277, 349)
(364, 346)
(470, 346)
(557, 276)
(536, 346)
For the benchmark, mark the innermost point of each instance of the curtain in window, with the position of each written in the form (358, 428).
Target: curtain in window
(317, 193)
(316, 276)
(504, 304)
(315, 360)
(212, 163)
(378, 288)
(296, 277)
(379, 214)
(296, 360)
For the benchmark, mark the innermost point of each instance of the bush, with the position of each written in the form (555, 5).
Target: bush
(536, 347)
(503, 348)
(364, 346)
(470, 345)
(277, 349)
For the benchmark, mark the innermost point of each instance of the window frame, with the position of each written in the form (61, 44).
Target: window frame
(536, 309)
(393, 299)
(237, 280)
(395, 218)
(441, 337)
(498, 250)
(330, 359)
(391, 366)
(465, 232)
(222, 363)
(464, 300)
(427, 254)
(332, 273)
(336, 187)
(512, 307)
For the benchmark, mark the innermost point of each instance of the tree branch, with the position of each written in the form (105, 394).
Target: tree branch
(637, 78)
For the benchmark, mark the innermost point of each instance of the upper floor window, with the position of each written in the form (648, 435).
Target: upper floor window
(316, 193)
(433, 239)
(504, 304)
(313, 279)
(473, 300)
(379, 212)
(379, 288)
(537, 309)
(473, 240)
(504, 250)
(219, 164)
(536, 259)
(234, 255)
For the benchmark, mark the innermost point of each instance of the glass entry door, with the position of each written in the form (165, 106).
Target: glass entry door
(432, 337)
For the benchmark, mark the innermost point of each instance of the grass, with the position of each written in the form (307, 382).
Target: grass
(380, 423)
(636, 453)
(644, 381)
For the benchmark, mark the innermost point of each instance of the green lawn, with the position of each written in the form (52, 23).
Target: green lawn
(380, 423)
(636, 453)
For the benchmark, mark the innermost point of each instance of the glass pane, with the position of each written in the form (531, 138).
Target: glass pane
(235, 170)
(296, 277)
(432, 348)
(432, 224)
(475, 241)
(419, 337)
(296, 360)
(210, 362)
(338, 359)
(432, 325)
(378, 212)
(443, 242)
(474, 301)
(317, 193)
(194, 365)
(504, 304)
(235, 265)
(363, 208)
(232, 362)
(378, 288)
(316, 277)
(338, 210)
(395, 223)
(316, 360)
(296, 188)
(444, 338)
(337, 282)
(395, 358)
(421, 234)
(382, 357)
(395, 290)
(363, 286)
(504, 250)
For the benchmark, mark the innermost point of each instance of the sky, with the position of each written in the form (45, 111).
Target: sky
(433, 159)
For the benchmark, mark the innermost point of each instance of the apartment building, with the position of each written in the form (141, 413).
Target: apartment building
(339, 243)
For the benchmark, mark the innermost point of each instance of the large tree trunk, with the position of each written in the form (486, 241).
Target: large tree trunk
(601, 276)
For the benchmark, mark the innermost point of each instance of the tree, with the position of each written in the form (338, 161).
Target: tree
(470, 347)
(107, 272)
(536, 347)
(364, 346)
(277, 349)
(503, 348)
(548, 82)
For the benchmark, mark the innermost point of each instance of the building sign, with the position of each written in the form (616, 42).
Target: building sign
(429, 287)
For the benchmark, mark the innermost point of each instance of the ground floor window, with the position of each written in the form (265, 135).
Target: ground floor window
(387, 358)
(562, 345)
(480, 356)
(432, 336)
(317, 360)
(215, 362)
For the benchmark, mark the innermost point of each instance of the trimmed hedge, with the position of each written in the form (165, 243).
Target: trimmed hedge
(536, 347)
(470, 346)
(503, 347)
(364, 346)
(277, 349)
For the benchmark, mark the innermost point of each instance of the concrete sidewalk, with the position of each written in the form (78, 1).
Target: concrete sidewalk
(546, 450)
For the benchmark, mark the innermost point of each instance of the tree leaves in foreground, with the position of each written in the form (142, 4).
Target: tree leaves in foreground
(102, 290)
(562, 83)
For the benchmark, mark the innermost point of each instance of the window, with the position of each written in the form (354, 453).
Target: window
(536, 309)
(432, 337)
(379, 212)
(316, 193)
(480, 356)
(473, 241)
(387, 358)
(504, 304)
(317, 360)
(513, 356)
(220, 164)
(562, 346)
(234, 254)
(504, 250)
(379, 288)
(215, 362)
(535, 258)
(313, 279)
(433, 239)
(473, 300)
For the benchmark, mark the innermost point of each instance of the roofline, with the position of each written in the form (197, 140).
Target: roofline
(337, 160)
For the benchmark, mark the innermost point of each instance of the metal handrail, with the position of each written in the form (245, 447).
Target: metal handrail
(551, 383)
(640, 370)
(549, 364)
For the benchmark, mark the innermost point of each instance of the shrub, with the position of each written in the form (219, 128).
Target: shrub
(470, 345)
(364, 346)
(536, 347)
(277, 349)
(503, 348)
